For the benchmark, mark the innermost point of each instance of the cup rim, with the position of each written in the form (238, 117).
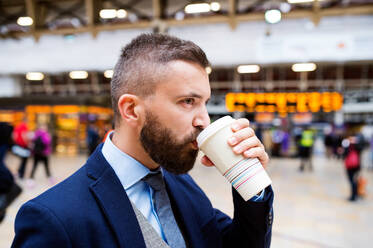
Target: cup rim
(213, 128)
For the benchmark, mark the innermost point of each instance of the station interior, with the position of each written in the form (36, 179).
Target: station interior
(288, 66)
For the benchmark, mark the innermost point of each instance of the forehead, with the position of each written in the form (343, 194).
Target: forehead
(182, 77)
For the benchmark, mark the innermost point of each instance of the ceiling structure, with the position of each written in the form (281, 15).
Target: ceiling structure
(79, 16)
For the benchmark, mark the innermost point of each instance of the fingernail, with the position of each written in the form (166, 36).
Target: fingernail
(232, 140)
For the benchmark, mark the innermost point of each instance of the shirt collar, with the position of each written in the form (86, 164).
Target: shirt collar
(128, 170)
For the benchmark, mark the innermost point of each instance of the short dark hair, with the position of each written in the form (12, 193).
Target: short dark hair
(139, 66)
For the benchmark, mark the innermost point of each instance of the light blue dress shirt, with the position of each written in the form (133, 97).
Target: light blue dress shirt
(130, 172)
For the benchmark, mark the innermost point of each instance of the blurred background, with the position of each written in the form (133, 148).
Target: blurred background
(300, 70)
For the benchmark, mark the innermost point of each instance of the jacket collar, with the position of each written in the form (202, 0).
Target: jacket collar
(116, 206)
(113, 200)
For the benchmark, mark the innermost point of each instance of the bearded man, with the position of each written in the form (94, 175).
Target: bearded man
(134, 190)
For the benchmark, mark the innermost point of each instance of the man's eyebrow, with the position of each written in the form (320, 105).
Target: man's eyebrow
(192, 94)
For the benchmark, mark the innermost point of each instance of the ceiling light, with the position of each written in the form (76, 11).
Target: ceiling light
(208, 69)
(302, 1)
(132, 17)
(108, 13)
(179, 15)
(78, 74)
(215, 6)
(304, 67)
(25, 21)
(34, 76)
(121, 13)
(108, 73)
(197, 8)
(272, 16)
(285, 7)
(248, 68)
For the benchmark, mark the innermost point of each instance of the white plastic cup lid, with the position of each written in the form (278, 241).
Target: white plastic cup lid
(213, 128)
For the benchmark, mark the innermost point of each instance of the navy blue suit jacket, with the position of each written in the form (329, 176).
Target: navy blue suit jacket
(91, 209)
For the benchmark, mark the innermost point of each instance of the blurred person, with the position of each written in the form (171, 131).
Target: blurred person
(41, 151)
(259, 132)
(9, 190)
(5, 141)
(285, 144)
(93, 138)
(21, 148)
(267, 139)
(337, 145)
(6, 178)
(360, 141)
(328, 142)
(297, 134)
(160, 89)
(277, 136)
(305, 148)
(352, 160)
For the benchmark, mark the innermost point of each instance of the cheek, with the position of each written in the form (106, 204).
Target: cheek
(177, 120)
(174, 118)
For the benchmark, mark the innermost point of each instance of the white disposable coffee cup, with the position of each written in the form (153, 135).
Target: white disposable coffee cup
(246, 175)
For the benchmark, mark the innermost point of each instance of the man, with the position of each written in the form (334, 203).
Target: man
(93, 138)
(159, 91)
(305, 147)
(21, 139)
(9, 190)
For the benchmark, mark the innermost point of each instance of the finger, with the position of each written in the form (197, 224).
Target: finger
(258, 152)
(239, 124)
(241, 135)
(206, 161)
(247, 144)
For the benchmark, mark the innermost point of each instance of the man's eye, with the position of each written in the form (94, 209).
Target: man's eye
(189, 101)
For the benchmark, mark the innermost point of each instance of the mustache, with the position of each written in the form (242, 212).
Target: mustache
(193, 136)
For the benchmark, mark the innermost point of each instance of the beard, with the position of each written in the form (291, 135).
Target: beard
(164, 149)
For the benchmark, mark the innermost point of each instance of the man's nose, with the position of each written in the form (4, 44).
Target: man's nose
(202, 120)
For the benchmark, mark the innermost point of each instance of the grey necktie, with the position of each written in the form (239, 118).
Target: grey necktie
(164, 211)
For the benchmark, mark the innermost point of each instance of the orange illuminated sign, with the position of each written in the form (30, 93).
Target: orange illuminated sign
(284, 102)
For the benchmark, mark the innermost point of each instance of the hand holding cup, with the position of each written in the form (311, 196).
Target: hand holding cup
(245, 142)
(231, 145)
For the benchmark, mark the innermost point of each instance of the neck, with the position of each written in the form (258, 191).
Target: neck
(128, 142)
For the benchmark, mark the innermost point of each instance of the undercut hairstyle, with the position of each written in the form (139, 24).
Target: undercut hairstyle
(142, 64)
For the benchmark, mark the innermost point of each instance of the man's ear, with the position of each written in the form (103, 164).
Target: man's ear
(130, 109)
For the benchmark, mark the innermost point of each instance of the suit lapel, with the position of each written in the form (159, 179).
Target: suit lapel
(114, 202)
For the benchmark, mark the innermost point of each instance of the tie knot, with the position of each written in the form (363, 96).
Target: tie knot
(155, 180)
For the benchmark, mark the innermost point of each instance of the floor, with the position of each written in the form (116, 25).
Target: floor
(311, 209)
